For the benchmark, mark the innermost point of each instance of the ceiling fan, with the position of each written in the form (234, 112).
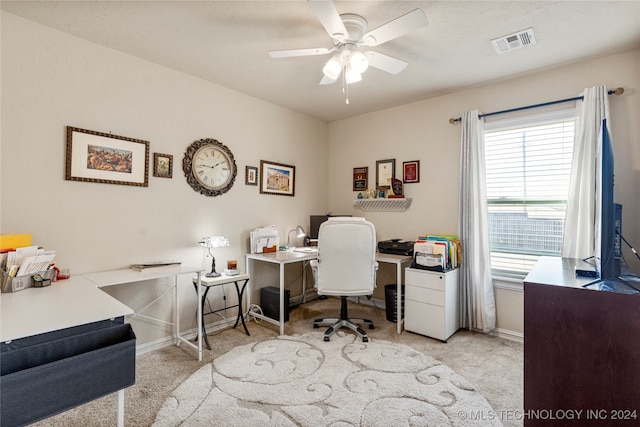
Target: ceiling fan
(348, 34)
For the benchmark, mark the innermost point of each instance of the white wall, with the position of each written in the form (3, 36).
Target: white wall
(51, 80)
(421, 131)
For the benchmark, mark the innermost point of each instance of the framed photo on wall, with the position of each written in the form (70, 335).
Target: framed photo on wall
(277, 178)
(385, 170)
(105, 158)
(360, 178)
(162, 165)
(251, 175)
(411, 171)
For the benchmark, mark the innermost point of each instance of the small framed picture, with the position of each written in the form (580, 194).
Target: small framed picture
(251, 175)
(385, 171)
(162, 165)
(360, 176)
(411, 171)
(277, 178)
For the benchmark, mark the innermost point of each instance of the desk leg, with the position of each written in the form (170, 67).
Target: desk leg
(121, 408)
(176, 315)
(240, 312)
(304, 281)
(282, 298)
(248, 266)
(399, 318)
(199, 316)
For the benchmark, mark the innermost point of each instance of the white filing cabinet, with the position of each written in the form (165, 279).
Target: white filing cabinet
(431, 303)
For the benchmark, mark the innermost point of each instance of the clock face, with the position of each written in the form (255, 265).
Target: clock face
(209, 167)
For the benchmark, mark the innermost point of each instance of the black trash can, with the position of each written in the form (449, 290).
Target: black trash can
(391, 301)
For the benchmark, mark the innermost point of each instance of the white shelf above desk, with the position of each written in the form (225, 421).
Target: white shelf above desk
(382, 205)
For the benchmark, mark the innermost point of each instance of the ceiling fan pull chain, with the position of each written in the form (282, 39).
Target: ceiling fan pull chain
(345, 84)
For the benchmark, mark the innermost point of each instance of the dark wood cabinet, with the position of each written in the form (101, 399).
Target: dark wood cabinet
(581, 350)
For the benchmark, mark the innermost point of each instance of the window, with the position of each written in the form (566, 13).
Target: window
(528, 167)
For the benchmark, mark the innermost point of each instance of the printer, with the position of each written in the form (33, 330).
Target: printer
(396, 247)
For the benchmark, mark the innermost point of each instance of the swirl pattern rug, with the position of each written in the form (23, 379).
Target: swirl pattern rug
(304, 381)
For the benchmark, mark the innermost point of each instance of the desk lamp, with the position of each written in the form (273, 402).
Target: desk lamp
(214, 242)
(299, 233)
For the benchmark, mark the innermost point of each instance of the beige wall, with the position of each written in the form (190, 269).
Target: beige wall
(51, 80)
(421, 131)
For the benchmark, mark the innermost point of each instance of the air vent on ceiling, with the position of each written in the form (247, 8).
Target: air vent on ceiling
(514, 41)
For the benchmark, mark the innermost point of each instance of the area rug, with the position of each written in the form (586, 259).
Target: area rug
(305, 381)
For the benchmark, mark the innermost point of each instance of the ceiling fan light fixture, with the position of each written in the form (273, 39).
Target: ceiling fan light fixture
(351, 75)
(333, 67)
(358, 62)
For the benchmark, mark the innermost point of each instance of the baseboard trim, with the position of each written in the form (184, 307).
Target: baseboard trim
(190, 334)
(507, 334)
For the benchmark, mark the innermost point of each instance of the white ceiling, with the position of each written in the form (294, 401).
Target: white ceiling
(227, 42)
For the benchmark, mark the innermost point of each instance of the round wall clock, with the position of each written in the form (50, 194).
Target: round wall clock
(209, 167)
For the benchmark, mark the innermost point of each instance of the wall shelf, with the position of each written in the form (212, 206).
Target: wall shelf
(382, 205)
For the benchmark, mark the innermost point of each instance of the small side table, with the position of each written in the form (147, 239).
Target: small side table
(208, 283)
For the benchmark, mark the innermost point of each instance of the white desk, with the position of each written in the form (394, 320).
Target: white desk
(64, 304)
(128, 275)
(399, 261)
(281, 258)
(223, 279)
(286, 257)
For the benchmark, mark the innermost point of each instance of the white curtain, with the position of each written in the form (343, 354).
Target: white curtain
(579, 239)
(478, 310)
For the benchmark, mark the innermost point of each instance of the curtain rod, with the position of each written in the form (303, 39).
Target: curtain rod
(618, 91)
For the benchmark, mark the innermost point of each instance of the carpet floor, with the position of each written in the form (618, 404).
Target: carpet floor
(493, 366)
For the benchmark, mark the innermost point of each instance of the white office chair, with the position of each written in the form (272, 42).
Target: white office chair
(346, 266)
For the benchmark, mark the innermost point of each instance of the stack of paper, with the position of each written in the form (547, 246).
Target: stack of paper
(27, 260)
(264, 239)
(445, 246)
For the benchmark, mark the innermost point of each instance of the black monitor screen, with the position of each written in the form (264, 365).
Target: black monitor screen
(314, 224)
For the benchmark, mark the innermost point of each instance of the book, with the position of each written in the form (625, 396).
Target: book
(155, 264)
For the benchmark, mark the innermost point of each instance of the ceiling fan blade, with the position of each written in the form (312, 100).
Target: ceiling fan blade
(329, 17)
(299, 52)
(400, 26)
(385, 62)
(327, 81)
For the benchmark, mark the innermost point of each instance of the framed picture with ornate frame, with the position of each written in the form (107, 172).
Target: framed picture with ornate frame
(411, 171)
(385, 170)
(105, 158)
(251, 175)
(162, 165)
(277, 178)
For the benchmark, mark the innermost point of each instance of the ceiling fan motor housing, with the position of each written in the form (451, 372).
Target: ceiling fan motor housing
(356, 26)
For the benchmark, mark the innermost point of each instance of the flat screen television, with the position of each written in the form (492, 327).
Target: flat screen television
(609, 228)
(608, 248)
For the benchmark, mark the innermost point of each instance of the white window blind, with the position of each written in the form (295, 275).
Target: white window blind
(528, 167)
